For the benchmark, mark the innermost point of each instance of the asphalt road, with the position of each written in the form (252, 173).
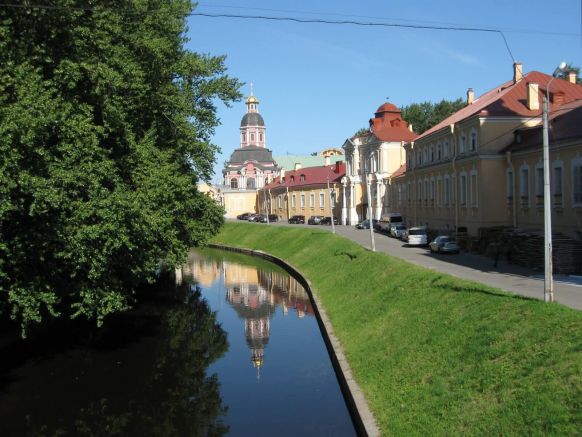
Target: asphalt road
(479, 268)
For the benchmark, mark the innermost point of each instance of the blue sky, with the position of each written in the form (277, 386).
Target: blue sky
(317, 84)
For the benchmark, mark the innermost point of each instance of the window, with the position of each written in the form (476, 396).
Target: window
(462, 143)
(419, 192)
(322, 200)
(447, 187)
(302, 200)
(438, 152)
(432, 191)
(453, 189)
(251, 183)
(418, 158)
(293, 201)
(234, 183)
(524, 185)
(446, 149)
(280, 201)
(311, 200)
(509, 185)
(332, 199)
(302, 178)
(425, 191)
(557, 182)
(474, 191)
(244, 138)
(473, 143)
(439, 191)
(463, 189)
(261, 137)
(252, 137)
(577, 181)
(431, 153)
(539, 184)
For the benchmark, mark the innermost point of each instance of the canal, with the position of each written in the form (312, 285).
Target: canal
(229, 346)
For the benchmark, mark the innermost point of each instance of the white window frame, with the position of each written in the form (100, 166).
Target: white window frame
(524, 189)
(302, 200)
(558, 182)
(539, 184)
(463, 189)
(473, 143)
(293, 201)
(322, 199)
(312, 200)
(474, 188)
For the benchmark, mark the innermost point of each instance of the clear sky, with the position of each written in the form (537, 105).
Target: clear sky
(318, 84)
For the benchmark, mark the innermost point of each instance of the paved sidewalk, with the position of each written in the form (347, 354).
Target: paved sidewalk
(479, 268)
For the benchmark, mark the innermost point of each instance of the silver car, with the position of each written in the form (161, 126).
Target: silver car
(444, 244)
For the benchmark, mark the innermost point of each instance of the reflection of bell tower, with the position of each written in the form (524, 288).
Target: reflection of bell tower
(257, 331)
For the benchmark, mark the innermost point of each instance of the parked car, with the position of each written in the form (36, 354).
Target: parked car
(243, 216)
(365, 224)
(327, 221)
(273, 218)
(444, 244)
(251, 217)
(297, 219)
(315, 220)
(387, 220)
(261, 218)
(417, 236)
(397, 231)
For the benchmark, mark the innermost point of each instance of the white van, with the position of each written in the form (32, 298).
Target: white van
(387, 220)
(417, 236)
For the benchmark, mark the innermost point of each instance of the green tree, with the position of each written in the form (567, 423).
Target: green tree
(105, 127)
(563, 74)
(362, 131)
(425, 115)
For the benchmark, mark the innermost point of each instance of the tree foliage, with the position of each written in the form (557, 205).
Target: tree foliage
(563, 74)
(362, 131)
(105, 127)
(425, 115)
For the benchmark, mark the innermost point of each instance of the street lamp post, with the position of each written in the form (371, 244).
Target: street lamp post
(331, 205)
(370, 220)
(548, 268)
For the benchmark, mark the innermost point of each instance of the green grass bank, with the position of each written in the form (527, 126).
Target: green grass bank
(437, 355)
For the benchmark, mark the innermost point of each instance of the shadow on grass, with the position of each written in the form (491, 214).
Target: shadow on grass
(351, 256)
(437, 283)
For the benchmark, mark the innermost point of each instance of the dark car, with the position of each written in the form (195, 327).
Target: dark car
(327, 221)
(273, 218)
(297, 219)
(261, 218)
(243, 216)
(251, 217)
(315, 219)
(365, 224)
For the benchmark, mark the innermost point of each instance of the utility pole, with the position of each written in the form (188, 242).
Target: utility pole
(331, 205)
(368, 177)
(548, 273)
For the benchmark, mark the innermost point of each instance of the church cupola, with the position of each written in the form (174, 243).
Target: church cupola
(252, 125)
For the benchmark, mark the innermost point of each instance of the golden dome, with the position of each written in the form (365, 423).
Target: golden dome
(252, 99)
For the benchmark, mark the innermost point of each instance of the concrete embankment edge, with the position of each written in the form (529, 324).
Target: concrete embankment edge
(362, 416)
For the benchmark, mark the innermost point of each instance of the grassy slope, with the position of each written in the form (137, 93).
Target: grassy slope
(435, 354)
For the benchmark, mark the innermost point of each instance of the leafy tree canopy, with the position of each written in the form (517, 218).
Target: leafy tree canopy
(563, 74)
(105, 127)
(362, 131)
(425, 115)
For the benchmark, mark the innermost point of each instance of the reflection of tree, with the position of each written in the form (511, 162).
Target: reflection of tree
(177, 397)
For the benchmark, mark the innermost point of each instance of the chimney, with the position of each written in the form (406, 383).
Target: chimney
(340, 167)
(572, 76)
(533, 99)
(470, 96)
(517, 72)
(410, 127)
(297, 166)
(282, 174)
(327, 160)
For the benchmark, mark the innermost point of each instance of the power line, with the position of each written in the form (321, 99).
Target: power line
(281, 18)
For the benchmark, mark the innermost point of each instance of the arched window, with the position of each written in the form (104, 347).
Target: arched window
(234, 183)
(251, 183)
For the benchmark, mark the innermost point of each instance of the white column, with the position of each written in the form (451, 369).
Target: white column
(344, 206)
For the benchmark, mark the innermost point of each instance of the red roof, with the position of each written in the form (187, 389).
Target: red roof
(401, 171)
(510, 99)
(311, 176)
(388, 125)
(564, 125)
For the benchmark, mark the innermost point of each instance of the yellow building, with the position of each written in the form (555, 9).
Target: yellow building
(457, 173)
(306, 191)
(371, 159)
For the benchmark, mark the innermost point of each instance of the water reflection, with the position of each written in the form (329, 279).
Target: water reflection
(277, 366)
(144, 373)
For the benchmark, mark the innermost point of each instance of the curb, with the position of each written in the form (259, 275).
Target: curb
(362, 417)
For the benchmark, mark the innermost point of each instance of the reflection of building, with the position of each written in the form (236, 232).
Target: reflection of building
(254, 295)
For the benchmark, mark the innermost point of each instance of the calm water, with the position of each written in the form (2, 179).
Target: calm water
(233, 348)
